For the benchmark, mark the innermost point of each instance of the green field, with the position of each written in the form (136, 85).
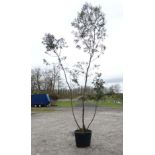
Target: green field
(65, 104)
(107, 103)
(110, 104)
(42, 109)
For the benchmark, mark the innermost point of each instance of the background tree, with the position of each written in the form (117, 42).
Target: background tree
(51, 78)
(36, 79)
(117, 88)
(114, 89)
(46, 80)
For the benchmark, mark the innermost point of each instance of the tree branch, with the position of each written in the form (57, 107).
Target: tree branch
(93, 116)
(71, 96)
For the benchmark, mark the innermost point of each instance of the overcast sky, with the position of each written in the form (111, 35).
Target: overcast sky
(55, 17)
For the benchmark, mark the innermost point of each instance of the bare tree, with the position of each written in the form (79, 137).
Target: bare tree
(33, 82)
(51, 78)
(36, 79)
(46, 79)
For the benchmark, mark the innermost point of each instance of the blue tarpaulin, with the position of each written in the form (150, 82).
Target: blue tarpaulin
(40, 99)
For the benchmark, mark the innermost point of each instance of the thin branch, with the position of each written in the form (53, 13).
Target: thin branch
(96, 57)
(86, 44)
(93, 116)
(60, 52)
(69, 89)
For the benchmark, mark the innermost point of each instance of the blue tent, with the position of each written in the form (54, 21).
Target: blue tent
(40, 100)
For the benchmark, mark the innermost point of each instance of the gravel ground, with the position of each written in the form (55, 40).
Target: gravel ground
(52, 133)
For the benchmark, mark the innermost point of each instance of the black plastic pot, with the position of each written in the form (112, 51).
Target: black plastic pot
(83, 139)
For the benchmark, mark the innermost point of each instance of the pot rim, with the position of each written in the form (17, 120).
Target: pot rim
(86, 131)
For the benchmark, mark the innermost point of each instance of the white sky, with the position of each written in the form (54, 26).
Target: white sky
(55, 17)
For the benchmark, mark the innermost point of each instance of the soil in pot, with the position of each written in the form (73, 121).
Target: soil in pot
(83, 139)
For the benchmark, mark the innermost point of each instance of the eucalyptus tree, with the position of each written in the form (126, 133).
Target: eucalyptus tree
(89, 32)
(54, 46)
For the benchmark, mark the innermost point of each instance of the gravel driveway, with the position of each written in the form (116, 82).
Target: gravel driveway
(52, 133)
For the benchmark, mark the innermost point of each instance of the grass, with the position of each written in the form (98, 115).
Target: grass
(110, 104)
(65, 104)
(41, 109)
(107, 103)
(103, 103)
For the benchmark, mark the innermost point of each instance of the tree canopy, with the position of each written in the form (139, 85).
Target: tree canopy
(90, 29)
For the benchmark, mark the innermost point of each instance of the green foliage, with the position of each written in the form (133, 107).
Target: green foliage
(53, 44)
(54, 96)
(98, 86)
(91, 97)
(89, 28)
(115, 98)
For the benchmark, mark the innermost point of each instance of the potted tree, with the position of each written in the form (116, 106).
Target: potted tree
(89, 32)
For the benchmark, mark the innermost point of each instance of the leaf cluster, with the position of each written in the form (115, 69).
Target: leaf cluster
(53, 44)
(98, 83)
(89, 28)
